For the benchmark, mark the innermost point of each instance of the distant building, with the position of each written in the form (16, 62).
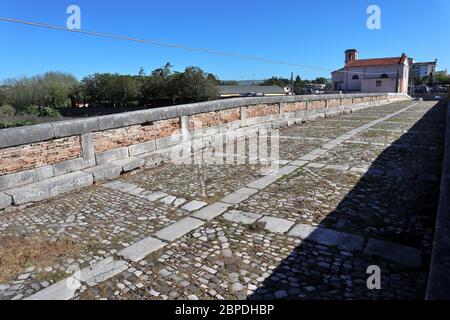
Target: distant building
(423, 69)
(372, 75)
(251, 91)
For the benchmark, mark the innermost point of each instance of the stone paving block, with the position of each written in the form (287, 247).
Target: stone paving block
(302, 231)
(319, 151)
(101, 271)
(105, 172)
(234, 198)
(277, 225)
(5, 200)
(263, 182)
(129, 164)
(136, 192)
(124, 186)
(241, 217)
(310, 157)
(286, 170)
(298, 163)
(62, 290)
(178, 202)
(194, 205)
(168, 200)
(156, 196)
(342, 240)
(359, 169)
(138, 251)
(179, 229)
(316, 165)
(210, 212)
(51, 187)
(337, 167)
(397, 253)
(246, 191)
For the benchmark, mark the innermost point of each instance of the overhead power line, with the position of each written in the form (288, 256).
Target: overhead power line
(171, 45)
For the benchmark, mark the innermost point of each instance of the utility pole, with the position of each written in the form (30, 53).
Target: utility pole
(292, 83)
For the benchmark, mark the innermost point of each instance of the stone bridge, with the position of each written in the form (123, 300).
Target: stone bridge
(253, 198)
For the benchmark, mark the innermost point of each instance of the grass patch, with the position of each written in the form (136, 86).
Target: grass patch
(17, 253)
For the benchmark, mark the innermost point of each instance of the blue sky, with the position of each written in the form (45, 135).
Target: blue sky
(314, 33)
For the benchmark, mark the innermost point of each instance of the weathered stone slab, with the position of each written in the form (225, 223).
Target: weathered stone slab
(210, 212)
(316, 165)
(298, 163)
(302, 231)
(343, 241)
(88, 149)
(75, 127)
(397, 253)
(136, 192)
(68, 166)
(142, 148)
(138, 251)
(27, 134)
(241, 217)
(10, 181)
(129, 164)
(194, 206)
(263, 182)
(168, 200)
(101, 271)
(179, 229)
(124, 186)
(112, 155)
(246, 191)
(5, 200)
(50, 188)
(234, 198)
(168, 141)
(283, 171)
(156, 196)
(277, 225)
(62, 290)
(43, 173)
(337, 167)
(310, 157)
(105, 172)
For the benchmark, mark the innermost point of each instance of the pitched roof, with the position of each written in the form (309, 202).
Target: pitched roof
(376, 62)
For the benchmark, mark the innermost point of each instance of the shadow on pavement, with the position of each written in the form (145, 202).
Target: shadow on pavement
(393, 204)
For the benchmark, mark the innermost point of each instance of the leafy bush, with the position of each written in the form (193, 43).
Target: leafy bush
(49, 112)
(7, 110)
(33, 110)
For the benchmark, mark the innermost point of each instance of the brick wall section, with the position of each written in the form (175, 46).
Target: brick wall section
(216, 118)
(346, 101)
(293, 107)
(39, 154)
(334, 103)
(262, 110)
(127, 136)
(317, 104)
(108, 133)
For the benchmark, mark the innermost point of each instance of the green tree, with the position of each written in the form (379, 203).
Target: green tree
(49, 90)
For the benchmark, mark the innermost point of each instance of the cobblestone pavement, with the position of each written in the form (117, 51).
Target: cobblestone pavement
(352, 191)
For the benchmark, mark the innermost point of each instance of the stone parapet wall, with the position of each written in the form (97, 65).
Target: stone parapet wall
(438, 287)
(40, 153)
